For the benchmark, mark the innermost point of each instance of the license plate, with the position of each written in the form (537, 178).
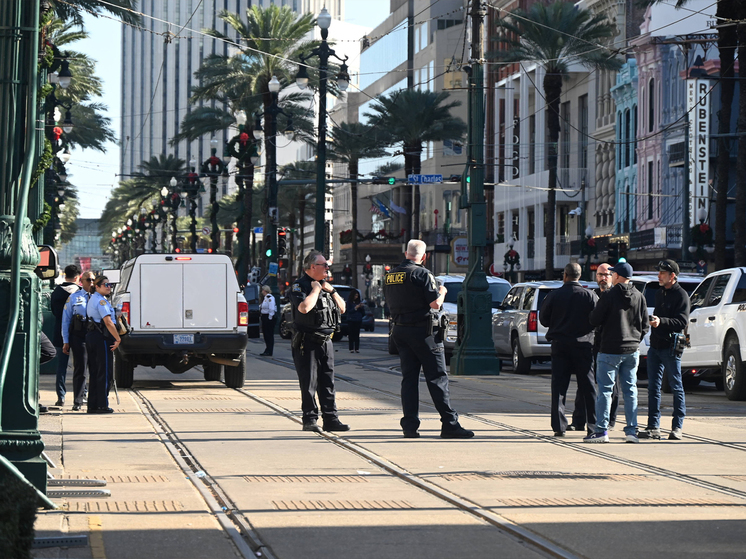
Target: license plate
(183, 338)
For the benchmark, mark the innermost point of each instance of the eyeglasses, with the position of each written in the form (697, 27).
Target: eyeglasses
(87, 279)
(105, 285)
(325, 264)
(665, 267)
(602, 274)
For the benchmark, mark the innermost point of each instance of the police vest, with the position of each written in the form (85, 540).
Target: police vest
(406, 300)
(324, 317)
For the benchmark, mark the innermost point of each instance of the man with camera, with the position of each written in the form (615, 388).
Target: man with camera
(668, 322)
(413, 297)
(317, 308)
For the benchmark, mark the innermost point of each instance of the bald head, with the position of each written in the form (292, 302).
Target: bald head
(603, 276)
(415, 250)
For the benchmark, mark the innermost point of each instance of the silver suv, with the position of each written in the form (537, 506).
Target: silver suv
(516, 330)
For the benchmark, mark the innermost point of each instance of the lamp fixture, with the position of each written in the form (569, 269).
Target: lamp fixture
(274, 85)
(64, 76)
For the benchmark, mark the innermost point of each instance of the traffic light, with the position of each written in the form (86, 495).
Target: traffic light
(392, 180)
(613, 251)
(282, 244)
(623, 250)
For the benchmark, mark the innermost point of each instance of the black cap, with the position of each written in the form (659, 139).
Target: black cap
(623, 269)
(668, 266)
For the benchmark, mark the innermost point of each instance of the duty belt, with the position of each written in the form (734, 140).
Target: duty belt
(414, 324)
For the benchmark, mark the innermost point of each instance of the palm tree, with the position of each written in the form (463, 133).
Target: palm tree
(123, 9)
(555, 36)
(351, 142)
(412, 117)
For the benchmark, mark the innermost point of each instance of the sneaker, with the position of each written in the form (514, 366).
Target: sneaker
(335, 425)
(311, 426)
(650, 433)
(675, 435)
(456, 433)
(411, 434)
(631, 439)
(602, 437)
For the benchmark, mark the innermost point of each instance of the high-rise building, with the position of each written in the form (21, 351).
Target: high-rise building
(84, 249)
(158, 65)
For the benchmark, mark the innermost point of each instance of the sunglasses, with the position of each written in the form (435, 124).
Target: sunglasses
(665, 267)
(325, 264)
(104, 285)
(87, 279)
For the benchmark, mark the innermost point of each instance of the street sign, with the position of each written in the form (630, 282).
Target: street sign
(273, 268)
(424, 179)
(258, 230)
(206, 230)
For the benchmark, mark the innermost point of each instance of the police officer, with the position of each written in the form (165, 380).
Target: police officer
(412, 295)
(74, 330)
(317, 308)
(101, 341)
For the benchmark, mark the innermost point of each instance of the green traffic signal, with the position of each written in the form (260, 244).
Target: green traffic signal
(468, 179)
(392, 180)
(269, 252)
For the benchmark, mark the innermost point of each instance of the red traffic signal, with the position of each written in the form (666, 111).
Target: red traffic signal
(235, 229)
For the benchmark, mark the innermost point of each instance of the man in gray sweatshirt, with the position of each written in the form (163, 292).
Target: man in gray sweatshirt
(623, 315)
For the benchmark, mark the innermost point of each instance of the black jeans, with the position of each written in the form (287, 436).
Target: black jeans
(419, 351)
(99, 362)
(314, 364)
(567, 360)
(353, 334)
(268, 330)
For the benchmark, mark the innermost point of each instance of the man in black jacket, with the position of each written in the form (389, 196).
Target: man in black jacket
(623, 315)
(565, 313)
(57, 302)
(670, 317)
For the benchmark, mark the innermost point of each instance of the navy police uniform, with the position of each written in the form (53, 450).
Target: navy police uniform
(98, 342)
(313, 352)
(74, 330)
(409, 289)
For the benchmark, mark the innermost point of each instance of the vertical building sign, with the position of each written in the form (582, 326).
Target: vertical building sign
(698, 106)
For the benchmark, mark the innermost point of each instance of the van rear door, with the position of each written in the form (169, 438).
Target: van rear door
(160, 296)
(205, 297)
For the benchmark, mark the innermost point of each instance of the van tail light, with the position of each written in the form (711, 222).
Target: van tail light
(532, 326)
(126, 311)
(243, 314)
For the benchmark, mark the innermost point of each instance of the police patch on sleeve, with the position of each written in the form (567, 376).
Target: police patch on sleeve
(296, 288)
(102, 303)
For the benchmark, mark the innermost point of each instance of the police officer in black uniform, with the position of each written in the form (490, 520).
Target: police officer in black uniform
(317, 309)
(412, 296)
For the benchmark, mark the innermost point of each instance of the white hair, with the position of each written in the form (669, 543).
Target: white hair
(416, 248)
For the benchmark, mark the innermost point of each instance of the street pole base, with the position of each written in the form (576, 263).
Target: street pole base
(33, 469)
(474, 361)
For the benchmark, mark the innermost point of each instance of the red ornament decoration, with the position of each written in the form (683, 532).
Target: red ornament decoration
(57, 132)
(243, 138)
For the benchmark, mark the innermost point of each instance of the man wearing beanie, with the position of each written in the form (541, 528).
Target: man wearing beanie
(623, 315)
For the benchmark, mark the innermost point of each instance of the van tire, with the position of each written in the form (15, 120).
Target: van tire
(213, 371)
(124, 371)
(734, 375)
(235, 376)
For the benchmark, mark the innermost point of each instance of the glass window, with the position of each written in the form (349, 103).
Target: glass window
(542, 295)
(498, 291)
(513, 298)
(698, 297)
(716, 295)
(739, 296)
(454, 288)
(383, 56)
(528, 298)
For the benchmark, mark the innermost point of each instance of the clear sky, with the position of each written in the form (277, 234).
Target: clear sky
(95, 173)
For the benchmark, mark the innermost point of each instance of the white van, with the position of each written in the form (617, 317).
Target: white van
(184, 310)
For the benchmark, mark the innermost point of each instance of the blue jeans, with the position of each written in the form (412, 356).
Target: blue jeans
(611, 367)
(62, 361)
(658, 359)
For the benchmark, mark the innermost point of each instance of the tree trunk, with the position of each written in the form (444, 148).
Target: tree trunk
(353, 170)
(740, 221)
(552, 91)
(417, 198)
(408, 170)
(727, 40)
(302, 234)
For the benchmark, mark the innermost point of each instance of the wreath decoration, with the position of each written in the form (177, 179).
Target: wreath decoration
(513, 259)
(701, 234)
(240, 147)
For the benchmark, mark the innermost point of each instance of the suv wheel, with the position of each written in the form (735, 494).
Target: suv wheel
(734, 382)
(124, 371)
(521, 365)
(235, 376)
(285, 332)
(213, 371)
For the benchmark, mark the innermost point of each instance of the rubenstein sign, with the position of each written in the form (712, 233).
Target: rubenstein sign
(698, 106)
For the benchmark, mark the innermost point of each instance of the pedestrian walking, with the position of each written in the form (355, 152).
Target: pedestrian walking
(317, 309)
(623, 316)
(355, 314)
(603, 279)
(57, 302)
(565, 313)
(268, 310)
(74, 330)
(101, 341)
(669, 319)
(413, 295)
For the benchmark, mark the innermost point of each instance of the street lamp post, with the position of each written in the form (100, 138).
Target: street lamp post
(192, 188)
(323, 51)
(213, 168)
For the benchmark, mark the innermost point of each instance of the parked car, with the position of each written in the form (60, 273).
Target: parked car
(252, 293)
(286, 319)
(648, 285)
(497, 287)
(717, 331)
(184, 310)
(516, 330)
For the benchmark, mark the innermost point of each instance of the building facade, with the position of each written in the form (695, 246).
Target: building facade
(84, 250)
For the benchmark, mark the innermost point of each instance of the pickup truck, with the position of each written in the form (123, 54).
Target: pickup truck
(717, 329)
(184, 310)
